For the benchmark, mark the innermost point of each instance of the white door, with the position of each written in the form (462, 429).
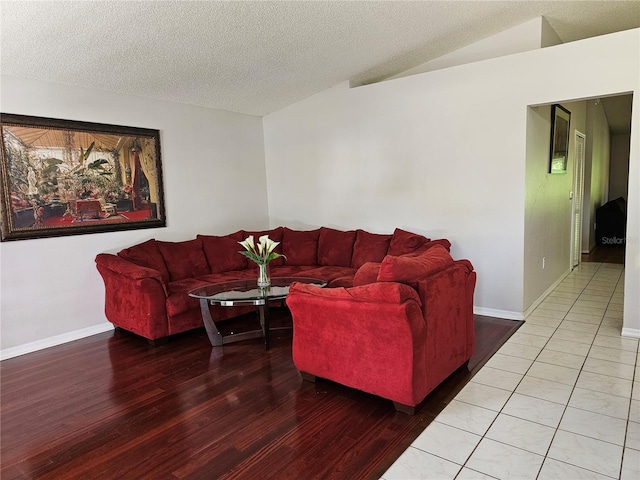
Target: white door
(578, 191)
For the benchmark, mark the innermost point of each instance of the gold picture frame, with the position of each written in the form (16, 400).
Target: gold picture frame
(64, 177)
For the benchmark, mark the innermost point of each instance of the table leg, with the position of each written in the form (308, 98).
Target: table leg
(212, 331)
(217, 339)
(264, 322)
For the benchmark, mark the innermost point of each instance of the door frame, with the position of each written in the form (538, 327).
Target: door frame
(577, 200)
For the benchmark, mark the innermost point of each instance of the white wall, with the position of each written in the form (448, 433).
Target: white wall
(410, 153)
(632, 253)
(619, 173)
(549, 36)
(548, 204)
(443, 153)
(213, 164)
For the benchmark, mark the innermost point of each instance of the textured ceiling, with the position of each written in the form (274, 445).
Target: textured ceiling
(258, 57)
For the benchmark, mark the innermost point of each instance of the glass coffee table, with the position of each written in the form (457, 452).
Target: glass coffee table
(244, 292)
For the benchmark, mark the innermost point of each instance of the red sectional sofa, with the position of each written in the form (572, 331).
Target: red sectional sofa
(404, 327)
(146, 285)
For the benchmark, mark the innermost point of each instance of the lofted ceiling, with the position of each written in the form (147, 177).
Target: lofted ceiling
(256, 57)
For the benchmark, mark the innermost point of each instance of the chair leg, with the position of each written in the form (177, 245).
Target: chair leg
(402, 408)
(158, 342)
(308, 377)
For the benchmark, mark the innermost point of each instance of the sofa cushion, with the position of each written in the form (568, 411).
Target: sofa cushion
(410, 269)
(344, 281)
(300, 247)
(222, 253)
(275, 234)
(431, 243)
(369, 247)
(403, 242)
(335, 247)
(147, 254)
(184, 259)
(326, 273)
(367, 273)
(374, 292)
(178, 301)
(227, 276)
(286, 270)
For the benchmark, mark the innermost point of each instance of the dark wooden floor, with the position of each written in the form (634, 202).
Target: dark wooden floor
(605, 254)
(111, 407)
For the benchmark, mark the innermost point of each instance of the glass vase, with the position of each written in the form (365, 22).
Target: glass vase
(263, 276)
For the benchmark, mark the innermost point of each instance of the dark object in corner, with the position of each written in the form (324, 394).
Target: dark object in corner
(611, 222)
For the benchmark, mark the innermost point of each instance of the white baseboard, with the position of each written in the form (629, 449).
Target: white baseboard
(53, 341)
(509, 315)
(631, 332)
(492, 312)
(544, 295)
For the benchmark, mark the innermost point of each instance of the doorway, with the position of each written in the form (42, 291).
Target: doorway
(613, 181)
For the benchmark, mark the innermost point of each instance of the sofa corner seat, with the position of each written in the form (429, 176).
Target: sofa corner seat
(147, 285)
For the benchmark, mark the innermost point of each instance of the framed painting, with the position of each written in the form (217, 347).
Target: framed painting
(63, 177)
(559, 149)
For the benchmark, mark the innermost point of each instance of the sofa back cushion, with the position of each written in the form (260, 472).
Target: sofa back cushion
(146, 254)
(184, 259)
(335, 247)
(369, 247)
(404, 242)
(300, 247)
(367, 273)
(374, 292)
(431, 243)
(222, 253)
(275, 234)
(410, 269)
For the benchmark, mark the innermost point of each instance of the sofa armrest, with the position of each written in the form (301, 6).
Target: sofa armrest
(126, 268)
(135, 297)
(447, 299)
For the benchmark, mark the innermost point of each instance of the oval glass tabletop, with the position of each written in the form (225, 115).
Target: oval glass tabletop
(247, 291)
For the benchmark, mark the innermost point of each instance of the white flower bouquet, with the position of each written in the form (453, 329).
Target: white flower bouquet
(263, 252)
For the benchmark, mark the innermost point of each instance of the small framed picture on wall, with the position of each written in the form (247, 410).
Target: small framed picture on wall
(559, 149)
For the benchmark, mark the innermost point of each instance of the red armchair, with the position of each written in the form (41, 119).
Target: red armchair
(395, 339)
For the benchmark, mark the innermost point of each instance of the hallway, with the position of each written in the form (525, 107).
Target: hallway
(608, 254)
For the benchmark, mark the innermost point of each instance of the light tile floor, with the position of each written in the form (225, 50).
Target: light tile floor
(559, 400)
